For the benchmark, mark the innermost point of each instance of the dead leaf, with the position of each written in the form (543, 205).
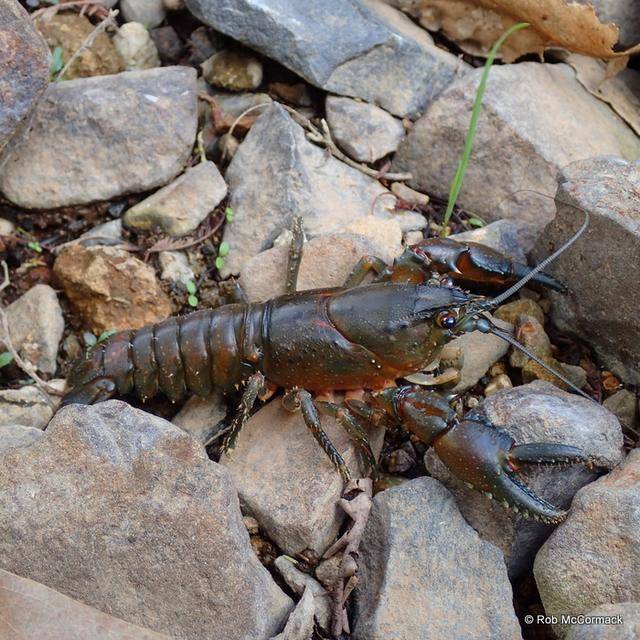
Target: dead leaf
(476, 24)
(622, 91)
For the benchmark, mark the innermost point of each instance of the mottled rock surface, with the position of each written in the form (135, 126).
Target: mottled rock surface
(592, 558)
(629, 629)
(626, 16)
(28, 406)
(181, 206)
(29, 610)
(286, 481)
(123, 511)
(536, 412)
(602, 309)
(36, 326)
(24, 69)
(17, 435)
(233, 70)
(175, 268)
(150, 13)
(525, 135)
(201, 417)
(98, 138)
(365, 132)
(110, 288)
(382, 58)
(425, 573)
(277, 173)
(135, 46)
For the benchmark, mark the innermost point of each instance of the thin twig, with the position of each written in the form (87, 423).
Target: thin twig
(49, 12)
(108, 21)
(5, 338)
(324, 137)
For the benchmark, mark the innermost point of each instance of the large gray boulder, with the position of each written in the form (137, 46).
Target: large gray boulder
(600, 268)
(425, 573)
(99, 138)
(362, 49)
(535, 119)
(123, 511)
(24, 69)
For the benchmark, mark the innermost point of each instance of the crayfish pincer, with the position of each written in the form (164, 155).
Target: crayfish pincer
(359, 337)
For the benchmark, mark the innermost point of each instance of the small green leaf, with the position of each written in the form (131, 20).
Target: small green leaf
(34, 246)
(191, 287)
(223, 249)
(476, 222)
(5, 359)
(219, 263)
(106, 334)
(56, 60)
(89, 339)
(192, 300)
(229, 214)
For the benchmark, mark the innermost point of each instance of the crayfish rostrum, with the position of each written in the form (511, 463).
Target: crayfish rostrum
(360, 337)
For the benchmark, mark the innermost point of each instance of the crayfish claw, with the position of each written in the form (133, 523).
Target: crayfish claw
(548, 454)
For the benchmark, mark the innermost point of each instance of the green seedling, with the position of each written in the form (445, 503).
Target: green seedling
(192, 300)
(5, 359)
(35, 246)
(57, 61)
(229, 214)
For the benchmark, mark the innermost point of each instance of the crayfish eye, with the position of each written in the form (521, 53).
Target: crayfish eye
(447, 319)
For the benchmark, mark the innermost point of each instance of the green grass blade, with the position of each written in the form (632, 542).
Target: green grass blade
(456, 184)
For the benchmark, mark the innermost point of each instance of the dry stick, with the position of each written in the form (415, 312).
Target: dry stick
(49, 12)
(5, 338)
(109, 21)
(324, 137)
(357, 508)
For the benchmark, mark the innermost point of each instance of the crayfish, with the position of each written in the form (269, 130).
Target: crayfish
(359, 337)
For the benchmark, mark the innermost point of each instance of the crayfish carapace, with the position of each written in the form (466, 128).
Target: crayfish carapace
(341, 339)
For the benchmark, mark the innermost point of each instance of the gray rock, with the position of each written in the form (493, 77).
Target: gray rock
(166, 547)
(108, 233)
(286, 481)
(365, 132)
(367, 50)
(302, 583)
(234, 104)
(28, 406)
(181, 206)
(24, 69)
(627, 629)
(327, 261)
(525, 135)
(624, 406)
(300, 623)
(17, 435)
(277, 174)
(606, 317)
(202, 417)
(125, 133)
(31, 610)
(536, 412)
(36, 326)
(425, 573)
(592, 558)
(135, 46)
(175, 267)
(506, 236)
(150, 13)
(626, 16)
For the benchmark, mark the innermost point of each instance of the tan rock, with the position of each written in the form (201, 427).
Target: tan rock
(110, 288)
(135, 46)
(233, 70)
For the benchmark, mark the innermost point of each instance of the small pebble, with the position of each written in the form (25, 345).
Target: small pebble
(135, 46)
(233, 70)
(148, 12)
(498, 383)
(408, 194)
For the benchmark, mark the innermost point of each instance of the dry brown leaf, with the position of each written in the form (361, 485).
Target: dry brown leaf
(476, 24)
(622, 92)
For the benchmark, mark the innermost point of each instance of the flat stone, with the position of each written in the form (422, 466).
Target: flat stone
(107, 233)
(24, 70)
(68, 31)
(327, 261)
(536, 412)
(181, 206)
(363, 131)
(513, 311)
(624, 405)
(166, 548)
(383, 57)
(605, 317)
(506, 236)
(525, 135)
(28, 406)
(17, 435)
(628, 629)
(592, 558)
(150, 13)
(36, 326)
(233, 70)
(126, 133)
(136, 47)
(300, 623)
(110, 288)
(418, 559)
(202, 417)
(277, 174)
(28, 609)
(286, 481)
